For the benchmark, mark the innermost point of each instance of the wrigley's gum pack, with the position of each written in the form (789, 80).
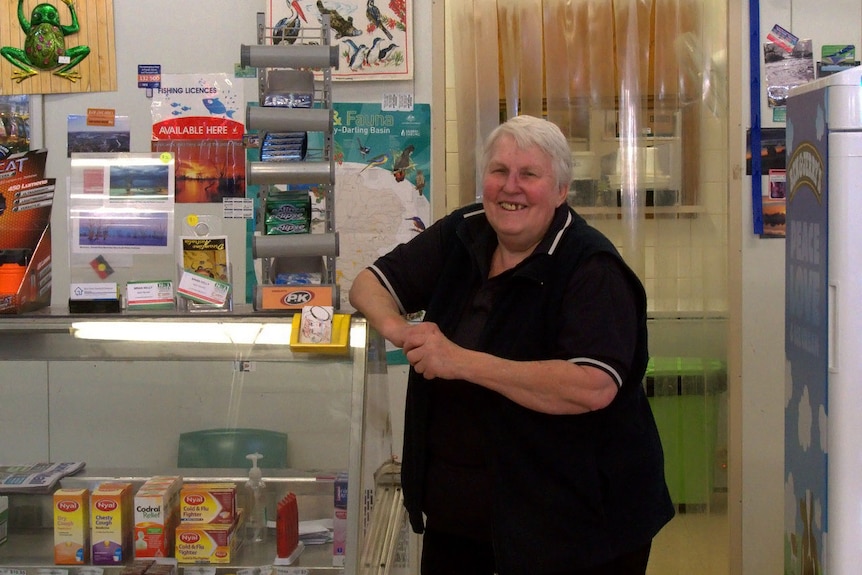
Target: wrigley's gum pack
(289, 227)
(288, 206)
(111, 523)
(71, 527)
(213, 503)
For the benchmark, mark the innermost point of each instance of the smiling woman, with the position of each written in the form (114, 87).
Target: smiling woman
(523, 185)
(534, 342)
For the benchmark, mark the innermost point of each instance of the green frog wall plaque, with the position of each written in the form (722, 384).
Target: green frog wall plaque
(45, 44)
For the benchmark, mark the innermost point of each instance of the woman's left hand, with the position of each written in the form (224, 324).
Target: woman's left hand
(431, 353)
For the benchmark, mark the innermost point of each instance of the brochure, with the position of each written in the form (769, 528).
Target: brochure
(35, 477)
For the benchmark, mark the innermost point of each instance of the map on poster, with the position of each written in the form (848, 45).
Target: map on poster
(382, 182)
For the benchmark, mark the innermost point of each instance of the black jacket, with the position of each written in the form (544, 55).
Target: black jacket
(570, 491)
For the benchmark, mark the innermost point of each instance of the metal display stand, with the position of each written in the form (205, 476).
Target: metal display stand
(295, 163)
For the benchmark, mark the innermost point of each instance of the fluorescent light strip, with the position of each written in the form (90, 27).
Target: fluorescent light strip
(192, 332)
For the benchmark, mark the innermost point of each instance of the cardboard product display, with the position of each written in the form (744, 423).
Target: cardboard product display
(26, 198)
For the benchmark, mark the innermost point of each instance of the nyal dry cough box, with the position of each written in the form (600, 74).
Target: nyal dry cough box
(111, 523)
(71, 527)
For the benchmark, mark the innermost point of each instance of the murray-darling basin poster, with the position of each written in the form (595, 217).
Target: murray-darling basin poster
(382, 181)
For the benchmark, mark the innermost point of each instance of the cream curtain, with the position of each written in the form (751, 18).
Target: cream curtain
(610, 73)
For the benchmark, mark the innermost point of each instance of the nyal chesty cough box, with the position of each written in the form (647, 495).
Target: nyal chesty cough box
(71, 527)
(111, 523)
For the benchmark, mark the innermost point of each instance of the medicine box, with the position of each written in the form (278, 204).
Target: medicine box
(156, 514)
(4, 518)
(111, 523)
(339, 521)
(71, 526)
(205, 543)
(213, 503)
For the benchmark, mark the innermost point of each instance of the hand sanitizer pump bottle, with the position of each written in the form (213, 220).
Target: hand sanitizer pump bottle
(255, 515)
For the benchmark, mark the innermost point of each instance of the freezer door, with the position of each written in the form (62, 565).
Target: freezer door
(844, 470)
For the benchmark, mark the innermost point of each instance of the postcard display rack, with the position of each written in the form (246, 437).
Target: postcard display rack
(296, 244)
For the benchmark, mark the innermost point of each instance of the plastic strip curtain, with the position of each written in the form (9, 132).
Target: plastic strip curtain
(632, 29)
(476, 75)
(633, 56)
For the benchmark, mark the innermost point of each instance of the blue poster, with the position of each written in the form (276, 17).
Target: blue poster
(806, 304)
(382, 182)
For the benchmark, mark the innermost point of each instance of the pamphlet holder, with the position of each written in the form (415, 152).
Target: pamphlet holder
(221, 299)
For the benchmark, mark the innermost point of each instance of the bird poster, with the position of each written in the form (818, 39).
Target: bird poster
(57, 47)
(200, 118)
(374, 37)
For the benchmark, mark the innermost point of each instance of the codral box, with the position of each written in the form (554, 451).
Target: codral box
(156, 515)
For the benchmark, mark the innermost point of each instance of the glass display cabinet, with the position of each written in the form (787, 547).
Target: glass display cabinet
(119, 393)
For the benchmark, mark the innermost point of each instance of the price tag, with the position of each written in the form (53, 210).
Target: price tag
(285, 570)
(149, 76)
(397, 102)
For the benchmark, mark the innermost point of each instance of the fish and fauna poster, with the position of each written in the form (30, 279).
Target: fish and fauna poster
(200, 118)
(382, 182)
(374, 37)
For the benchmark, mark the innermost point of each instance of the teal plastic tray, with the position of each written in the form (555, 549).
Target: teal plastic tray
(227, 448)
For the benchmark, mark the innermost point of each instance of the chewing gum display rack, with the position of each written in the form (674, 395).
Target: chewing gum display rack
(295, 101)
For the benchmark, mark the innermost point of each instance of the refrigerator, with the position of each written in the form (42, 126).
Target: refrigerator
(823, 328)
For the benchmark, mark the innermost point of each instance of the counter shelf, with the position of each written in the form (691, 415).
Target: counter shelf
(30, 543)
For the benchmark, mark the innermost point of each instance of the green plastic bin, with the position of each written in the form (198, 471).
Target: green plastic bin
(227, 448)
(684, 394)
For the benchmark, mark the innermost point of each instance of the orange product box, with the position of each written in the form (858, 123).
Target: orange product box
(156, 515)
(208, 503)
(111, 523)
(283, 297)
(71, 527)
(205, 543)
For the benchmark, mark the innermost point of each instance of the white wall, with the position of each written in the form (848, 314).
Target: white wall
(762, 418)
(192, 36)
(130, 413)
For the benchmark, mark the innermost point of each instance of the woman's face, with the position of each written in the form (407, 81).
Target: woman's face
(520, 193)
